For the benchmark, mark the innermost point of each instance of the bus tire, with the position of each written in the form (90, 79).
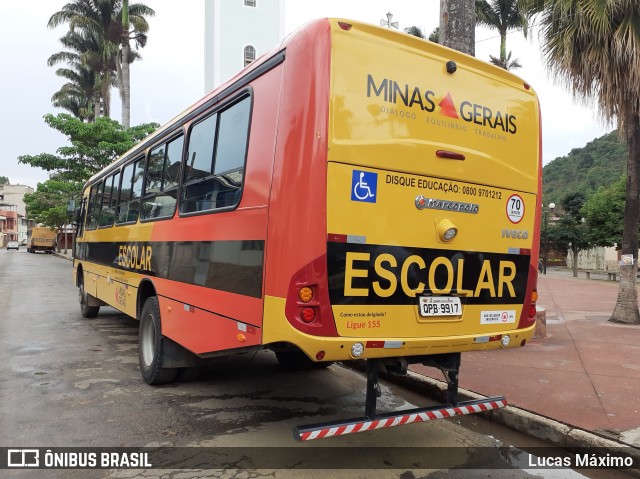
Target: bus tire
(298, 361)
(86, 310)
(150, 346)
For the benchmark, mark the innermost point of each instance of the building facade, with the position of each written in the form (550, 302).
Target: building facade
(14, 195)
(236, 33)
(9, 220)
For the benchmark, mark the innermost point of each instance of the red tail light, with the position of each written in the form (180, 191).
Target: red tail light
(308, 314)
(528, 316)
(308, 308)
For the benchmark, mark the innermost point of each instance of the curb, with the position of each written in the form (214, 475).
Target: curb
(60, 255)
(539, 427)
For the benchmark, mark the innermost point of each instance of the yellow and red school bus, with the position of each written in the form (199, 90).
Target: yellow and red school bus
(356, 193)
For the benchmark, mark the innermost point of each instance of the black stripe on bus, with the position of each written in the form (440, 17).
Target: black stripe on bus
(232, 266)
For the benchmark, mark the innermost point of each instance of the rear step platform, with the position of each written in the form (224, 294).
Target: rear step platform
(372, 421)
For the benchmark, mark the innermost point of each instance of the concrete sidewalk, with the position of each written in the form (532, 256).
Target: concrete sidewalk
(584, 373)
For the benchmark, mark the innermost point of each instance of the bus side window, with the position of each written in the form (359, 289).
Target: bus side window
(113, 205)
(160, 195)
(106, 217)
(96, 206)
(125, 193)
(198, 167)
(231, 150)
(215, 181)
(89, 211)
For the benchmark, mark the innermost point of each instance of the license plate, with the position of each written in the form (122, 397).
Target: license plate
(440, 306)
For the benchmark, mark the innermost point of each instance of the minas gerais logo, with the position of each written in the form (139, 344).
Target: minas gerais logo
(420, 98)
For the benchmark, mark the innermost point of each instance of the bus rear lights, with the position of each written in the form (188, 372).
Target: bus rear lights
(320, 355)
(305, 294)
(345, 26)
(532, 305)
(505, 341)
(357, 350)
(308, 314)
(446, 230)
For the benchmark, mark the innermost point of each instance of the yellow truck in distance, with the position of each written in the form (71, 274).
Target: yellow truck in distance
(41, 238)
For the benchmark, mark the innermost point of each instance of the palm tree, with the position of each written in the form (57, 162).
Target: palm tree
(78, 95)
(457, 25)
(593, 47)
(84, 58)
(102, 19)
(507, 63)
(130, 15)
(504, 16)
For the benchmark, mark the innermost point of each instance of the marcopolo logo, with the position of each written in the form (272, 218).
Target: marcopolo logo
(424, 99)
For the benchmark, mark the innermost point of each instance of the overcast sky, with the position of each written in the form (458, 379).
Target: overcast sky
(171, 75)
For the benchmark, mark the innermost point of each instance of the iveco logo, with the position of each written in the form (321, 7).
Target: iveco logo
(435, 204)
(515, 234)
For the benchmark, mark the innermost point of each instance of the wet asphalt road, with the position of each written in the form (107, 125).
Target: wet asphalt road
(71, 382)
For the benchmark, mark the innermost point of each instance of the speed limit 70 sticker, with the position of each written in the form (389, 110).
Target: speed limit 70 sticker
(515, 208)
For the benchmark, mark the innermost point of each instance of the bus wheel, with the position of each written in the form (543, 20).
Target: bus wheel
(150, 346)
(86, 310)
(298, 361)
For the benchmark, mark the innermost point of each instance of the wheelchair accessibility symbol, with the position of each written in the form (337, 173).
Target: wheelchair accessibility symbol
(364, 186)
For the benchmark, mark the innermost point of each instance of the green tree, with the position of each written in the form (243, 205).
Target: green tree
(103, 21)
(569, 232)
(82, 95)
(414, 31)
(48, 204)
(593, 46)
(600, 162)
(434, 36)
(504, 16)
(604, 214)
(92, 146)
(4, 180)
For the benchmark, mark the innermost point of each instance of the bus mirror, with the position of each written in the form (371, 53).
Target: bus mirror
(78, 215)
(71, 206)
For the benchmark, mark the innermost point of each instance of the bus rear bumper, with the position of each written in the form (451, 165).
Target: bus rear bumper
(277, 330)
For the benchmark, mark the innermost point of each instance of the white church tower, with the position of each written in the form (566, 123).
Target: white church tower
(236, 33)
